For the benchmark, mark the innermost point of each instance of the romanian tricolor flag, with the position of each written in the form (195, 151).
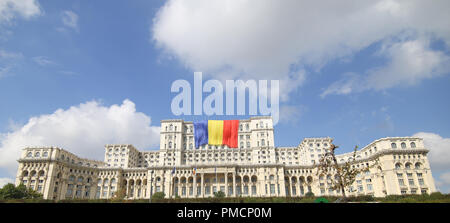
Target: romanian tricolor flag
(216, 132)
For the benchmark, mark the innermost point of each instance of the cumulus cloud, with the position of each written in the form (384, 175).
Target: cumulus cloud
(83, 130)
(409, 63)
(4, 181)
(290, 114)
(439, 147)
(439, 157)
(443, 183)
(276, 39)
(70, 19)
(10, 9)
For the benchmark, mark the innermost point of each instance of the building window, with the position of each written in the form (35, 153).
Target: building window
(403, 145)
(413, 145)
(393, 146)
(272, 188)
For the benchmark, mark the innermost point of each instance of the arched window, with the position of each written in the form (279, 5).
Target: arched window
(394, 146)
(170, 127)
(105, 181)
(403, 145)
(398, 166)
(72, 178)
(413, 145)
(271, 177)
(80, 179)
(30, 154)
(418, 165)
(45, 154)
(37, 154)
(408, 165)
(113, 180)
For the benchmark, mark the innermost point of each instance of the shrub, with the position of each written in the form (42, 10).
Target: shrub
(158, 196)
(309, 194)
(219, 194)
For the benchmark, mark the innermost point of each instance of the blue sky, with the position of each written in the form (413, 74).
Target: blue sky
(55, 55)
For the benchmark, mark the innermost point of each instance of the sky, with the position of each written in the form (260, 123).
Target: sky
(82, 74)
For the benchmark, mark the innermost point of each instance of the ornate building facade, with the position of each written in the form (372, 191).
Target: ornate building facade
(257, 168)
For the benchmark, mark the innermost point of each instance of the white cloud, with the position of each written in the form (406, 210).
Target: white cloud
(409, 63)
(43, 61)
(273, 39)
(439, 147)
(10, 9)
(8, 61)
(82, 130)
(70, 19)
(439, 157)
(9, 55)
(290, 114)
(4, 181)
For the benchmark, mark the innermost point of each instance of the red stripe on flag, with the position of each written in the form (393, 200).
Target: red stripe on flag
(230, 133)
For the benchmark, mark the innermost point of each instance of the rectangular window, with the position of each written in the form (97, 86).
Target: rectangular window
(272, 188)
(411, 182)
(421, 182)
(400, 182)
(360, 188)
(253, 190)
(369, 187)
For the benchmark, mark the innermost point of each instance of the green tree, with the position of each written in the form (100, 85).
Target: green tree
(9, 191)
(219, 194)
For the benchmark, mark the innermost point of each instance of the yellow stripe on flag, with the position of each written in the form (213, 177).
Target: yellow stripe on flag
(215, 132)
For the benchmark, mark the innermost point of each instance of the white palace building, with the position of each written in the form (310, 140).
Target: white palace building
(256, 169)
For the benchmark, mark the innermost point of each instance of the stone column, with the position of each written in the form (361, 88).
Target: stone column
(202, 185)
(226, 183)
(234, 184)
(195, 185)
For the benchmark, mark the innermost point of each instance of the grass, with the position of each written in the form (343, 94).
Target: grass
(433, 198)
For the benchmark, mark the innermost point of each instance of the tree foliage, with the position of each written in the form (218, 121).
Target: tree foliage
(9, 191)
(219, 194)
(345, 173)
